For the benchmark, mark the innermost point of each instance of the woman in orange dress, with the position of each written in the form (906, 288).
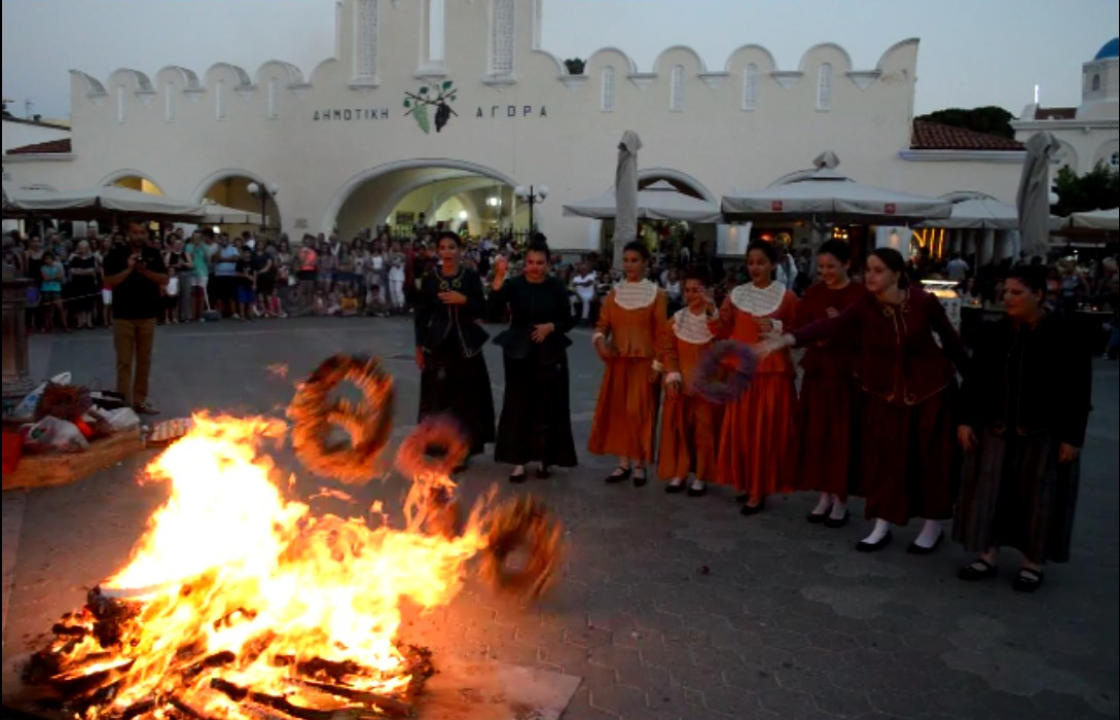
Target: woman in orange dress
(826, 420)
(758, 427)
(626, 339)
(689, 423)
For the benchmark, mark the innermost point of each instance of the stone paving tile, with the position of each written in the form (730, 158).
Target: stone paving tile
(667, 608)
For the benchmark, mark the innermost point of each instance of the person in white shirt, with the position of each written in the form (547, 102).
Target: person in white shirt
(584, 285)
(957, 269)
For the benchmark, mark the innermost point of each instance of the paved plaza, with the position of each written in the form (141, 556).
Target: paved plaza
(667, 606)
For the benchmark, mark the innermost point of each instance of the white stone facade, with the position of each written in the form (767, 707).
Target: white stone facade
(342, 148)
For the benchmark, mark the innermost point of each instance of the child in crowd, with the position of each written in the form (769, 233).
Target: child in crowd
(246, 279)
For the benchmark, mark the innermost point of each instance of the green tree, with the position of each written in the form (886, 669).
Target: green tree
(575, 66)
(1097, 189)
(990, 119)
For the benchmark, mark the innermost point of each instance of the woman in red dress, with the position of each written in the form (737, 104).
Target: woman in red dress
(626, 334)
(757, 434)
(826, 412)
(906, 379)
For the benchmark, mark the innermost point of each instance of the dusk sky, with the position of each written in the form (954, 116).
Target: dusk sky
(972, 53)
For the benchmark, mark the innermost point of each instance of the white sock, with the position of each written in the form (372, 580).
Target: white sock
(931, 530)
(638, 468)
(822, 504)
(839, 508)
(881, 528)
(676, 482)
(518, 470)
(697, 484)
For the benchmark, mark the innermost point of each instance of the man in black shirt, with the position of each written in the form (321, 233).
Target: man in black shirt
(135, 272)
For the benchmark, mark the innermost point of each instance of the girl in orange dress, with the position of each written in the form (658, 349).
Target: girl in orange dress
(626, 339)
(758, 427)
(689, 423)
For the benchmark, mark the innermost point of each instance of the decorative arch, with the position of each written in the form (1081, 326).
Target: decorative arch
(117, 175)
(358, 179)
(701, 67)
(217, 176)
(293, 76)
(628, 62)
(744, 51)
(244, 82)
(803, 65)
(143, 82)
(94, 86)
(908, 42)
(187, 76)
(676, 177)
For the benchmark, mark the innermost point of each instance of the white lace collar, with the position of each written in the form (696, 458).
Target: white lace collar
(691, 328)
(634, 295)
(758, 301)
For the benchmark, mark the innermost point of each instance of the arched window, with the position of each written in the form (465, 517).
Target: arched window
(366, 19)
(120, 103)
(272, 89)
(1096, 82)
(435, 31)
(219, 100)
(676, 88)
(1114, 160)
(501, 37)
(169, 103)
(606, 100)
(750, 86)
(824, 87)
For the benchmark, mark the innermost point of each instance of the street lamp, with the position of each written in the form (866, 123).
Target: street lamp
(264, 193)
(532, 195)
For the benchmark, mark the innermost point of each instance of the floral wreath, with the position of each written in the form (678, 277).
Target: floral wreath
(725, 371)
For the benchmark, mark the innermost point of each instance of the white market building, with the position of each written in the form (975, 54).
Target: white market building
(343, 152)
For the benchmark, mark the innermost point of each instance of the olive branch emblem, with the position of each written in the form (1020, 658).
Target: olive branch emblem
(434, 95)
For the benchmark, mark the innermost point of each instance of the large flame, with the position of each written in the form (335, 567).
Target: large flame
(229, 565)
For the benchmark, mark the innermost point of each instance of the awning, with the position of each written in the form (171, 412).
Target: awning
(659, 201)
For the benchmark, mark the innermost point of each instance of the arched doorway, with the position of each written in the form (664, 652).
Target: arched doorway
(243, 190)
(455, 194)
(133, 180)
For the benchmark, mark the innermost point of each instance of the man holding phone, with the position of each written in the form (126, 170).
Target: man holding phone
(135, 272)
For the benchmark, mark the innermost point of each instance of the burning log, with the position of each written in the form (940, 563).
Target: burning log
(240, 694)
(390, 706)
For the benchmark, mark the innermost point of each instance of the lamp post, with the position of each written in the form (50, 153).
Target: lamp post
(264, 193)
(532, 195)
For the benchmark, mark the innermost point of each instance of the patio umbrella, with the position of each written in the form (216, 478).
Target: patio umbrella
(823, 194)
(82, 204)
(976, 211)
(659, 201)
(1033, 197)
(1095, 220)
(626, 194)
(215, 214)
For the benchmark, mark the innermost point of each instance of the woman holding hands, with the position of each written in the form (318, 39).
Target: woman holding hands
(625, 337)
(535, 424)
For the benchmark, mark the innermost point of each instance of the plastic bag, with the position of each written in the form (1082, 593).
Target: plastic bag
(121, 419)
(50, 433)
(26, 408)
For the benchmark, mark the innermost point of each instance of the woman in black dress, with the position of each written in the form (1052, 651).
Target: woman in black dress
(453, 378)
(1025, 407)
(535, 422)
(83, 284)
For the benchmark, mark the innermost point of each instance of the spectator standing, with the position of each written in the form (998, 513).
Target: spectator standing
(51, 274)
(83, 284)
(225, 276)
(199, 253)
(135, 272)
(956, 269)
(397, 278)
(246, 279)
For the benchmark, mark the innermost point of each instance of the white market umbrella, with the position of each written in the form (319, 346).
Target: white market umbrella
(215, 214)
(1095, 220)
(110, 198)
(824, 194)
(976, 211)
(659, 201)
(626, 194)
(1033, 196)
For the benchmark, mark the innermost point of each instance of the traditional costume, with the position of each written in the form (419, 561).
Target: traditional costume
(689, 423)
(536, 423)
(826, 410)
(455, 379)
(1026, 393)
(906, 381)
(757, 434)
(629, 320)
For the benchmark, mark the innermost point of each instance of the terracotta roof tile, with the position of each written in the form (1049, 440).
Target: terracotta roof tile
(50, 146)
(935, 136)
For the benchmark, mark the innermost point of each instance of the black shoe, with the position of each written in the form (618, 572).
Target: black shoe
(1028, 580)
(619, 474)
(872, 547)
(672, 489)
(916, 549)
(697, 492)
(818, 518)
(640, 480)
(518, 478)
(543, 472)
(753, 509)
(831, 522)
(978, 569)
(742, 498)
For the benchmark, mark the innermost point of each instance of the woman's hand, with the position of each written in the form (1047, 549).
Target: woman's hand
(1067, 453)
(420, 358)
(452, 297)
(765, 325)
(966, 437)
(602, 349)
(542, 331)
(771, 345)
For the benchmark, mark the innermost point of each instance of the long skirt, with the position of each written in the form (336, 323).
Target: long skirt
(624, 411)
(756, 441)
(826, 428)
(906, 458)
(461, 388)
(1015, 493)
(536, 423)
(689, 428)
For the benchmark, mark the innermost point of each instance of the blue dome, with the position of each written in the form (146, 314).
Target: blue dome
(1110, 49)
